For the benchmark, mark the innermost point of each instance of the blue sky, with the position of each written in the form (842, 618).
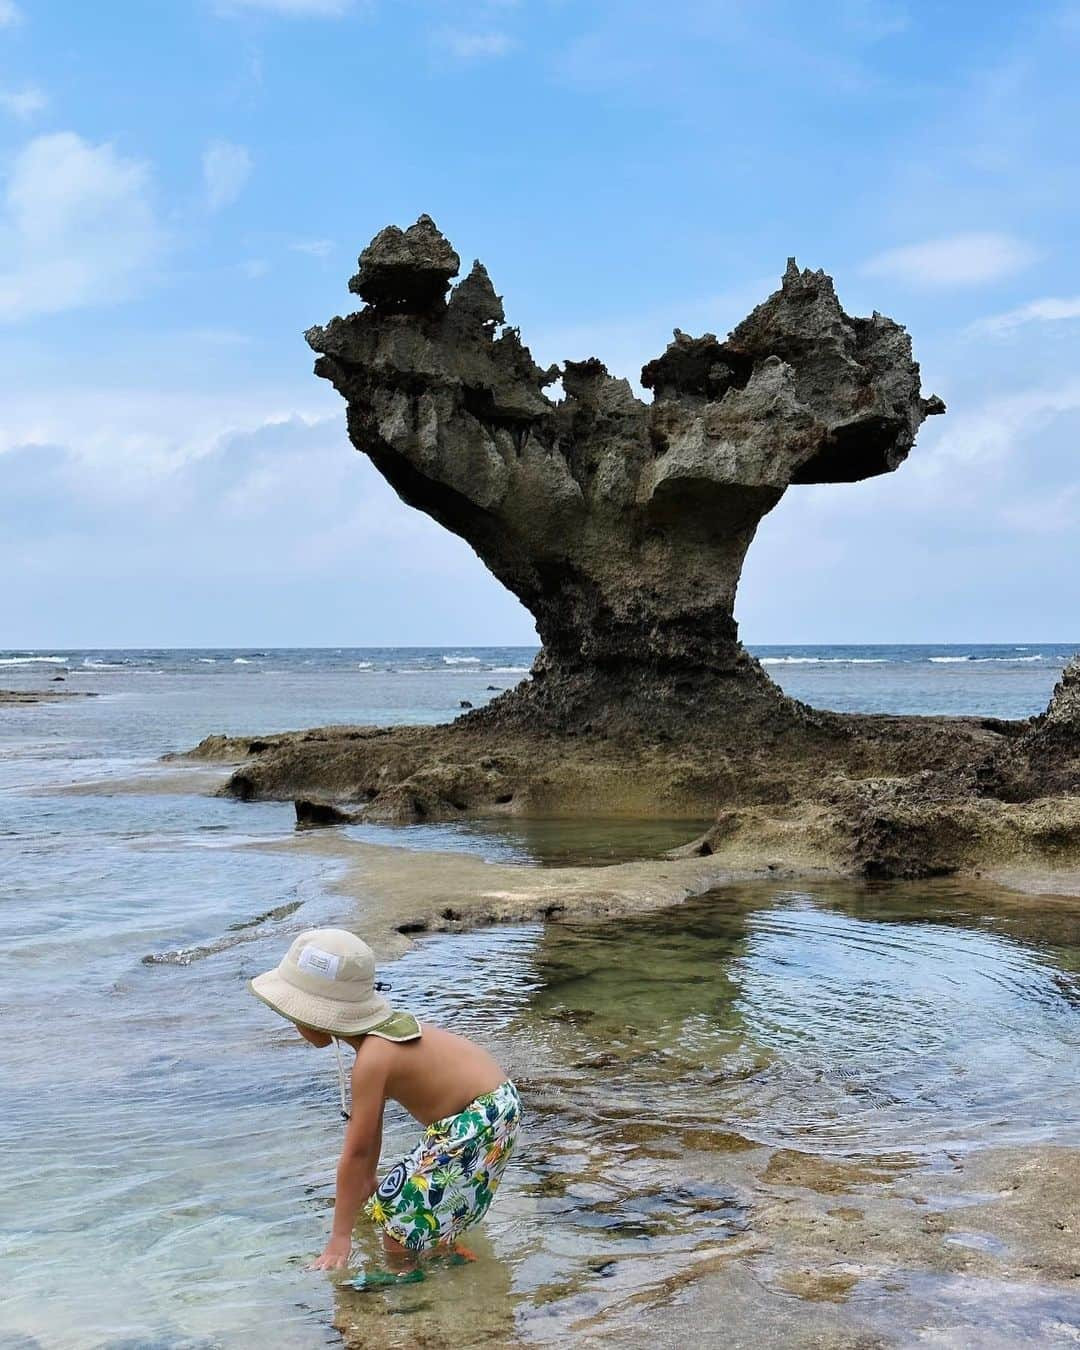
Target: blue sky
(184, 187)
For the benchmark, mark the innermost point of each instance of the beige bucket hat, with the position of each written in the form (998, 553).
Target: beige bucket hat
(326, 981)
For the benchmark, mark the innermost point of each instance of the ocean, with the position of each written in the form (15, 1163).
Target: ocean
(167, 1147)
(255, 689)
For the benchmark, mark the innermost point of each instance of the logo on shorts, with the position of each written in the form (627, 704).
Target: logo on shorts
(393, 1182)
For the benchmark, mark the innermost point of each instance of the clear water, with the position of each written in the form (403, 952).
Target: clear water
(167, 1146)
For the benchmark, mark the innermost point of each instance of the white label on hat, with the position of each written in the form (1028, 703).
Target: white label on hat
(318, 962)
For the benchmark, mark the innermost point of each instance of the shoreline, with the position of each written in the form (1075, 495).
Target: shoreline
(465, 892)
(418, 893)
(766, 847)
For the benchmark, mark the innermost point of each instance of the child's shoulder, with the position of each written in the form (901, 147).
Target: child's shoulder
(372, 1055)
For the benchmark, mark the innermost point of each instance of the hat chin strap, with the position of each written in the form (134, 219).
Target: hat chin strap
(341, 1079)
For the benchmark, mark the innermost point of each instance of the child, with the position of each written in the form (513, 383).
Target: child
(326, 986)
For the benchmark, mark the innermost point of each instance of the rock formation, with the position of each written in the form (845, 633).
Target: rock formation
(1046, 759)
(622, 526)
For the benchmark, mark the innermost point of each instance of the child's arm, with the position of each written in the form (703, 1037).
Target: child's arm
(356, 1172)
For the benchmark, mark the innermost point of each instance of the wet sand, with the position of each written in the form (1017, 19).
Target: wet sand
(401, 893)
(984, 1251)
(1062, 884)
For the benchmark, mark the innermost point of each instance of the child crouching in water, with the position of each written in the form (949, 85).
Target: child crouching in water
(456, 1090)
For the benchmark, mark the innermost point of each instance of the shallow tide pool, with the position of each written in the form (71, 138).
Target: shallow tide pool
(795, 1102)
(167, 1157)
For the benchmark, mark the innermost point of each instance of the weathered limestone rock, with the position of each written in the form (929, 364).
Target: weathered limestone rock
(1046, 758)
(1059, 726)
(622, 526)
(406, 270)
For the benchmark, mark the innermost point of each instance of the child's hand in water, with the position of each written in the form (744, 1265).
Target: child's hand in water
(335, 1255)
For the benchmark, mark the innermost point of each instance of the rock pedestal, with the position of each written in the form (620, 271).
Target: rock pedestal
(622, 526)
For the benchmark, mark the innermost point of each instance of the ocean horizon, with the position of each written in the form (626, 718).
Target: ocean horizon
(365, 683)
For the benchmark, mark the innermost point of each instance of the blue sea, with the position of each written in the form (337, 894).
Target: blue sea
(166, 1147)
(277, 688)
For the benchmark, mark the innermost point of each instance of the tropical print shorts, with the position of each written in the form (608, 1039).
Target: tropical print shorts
(447, 1182)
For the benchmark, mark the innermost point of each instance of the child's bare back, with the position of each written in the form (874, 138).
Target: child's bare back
(432, 1077)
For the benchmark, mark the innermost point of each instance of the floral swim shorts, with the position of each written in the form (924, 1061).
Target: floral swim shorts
(447, 1182)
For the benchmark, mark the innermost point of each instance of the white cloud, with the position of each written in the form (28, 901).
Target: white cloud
(1051, 309)
(315, 248)
(254, 268)
(152, 516)
(77, 227)
(325, 9)
(10, 13)
(226, 169)
(992, 432)
(967, 542)
(473, 46)
(959, 260)
(127, 436)
(137, 450)
(23, 103)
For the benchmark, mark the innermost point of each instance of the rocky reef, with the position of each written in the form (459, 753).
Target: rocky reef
(27, 696)
(623, 527)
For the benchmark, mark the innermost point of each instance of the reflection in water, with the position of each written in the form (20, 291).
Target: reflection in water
(558, 842)
(857, 1024)
(167, 1146)
(879, 1029)
(171, 1165)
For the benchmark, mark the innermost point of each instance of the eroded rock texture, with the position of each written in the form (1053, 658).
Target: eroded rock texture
(1046, 759)
(621, 525)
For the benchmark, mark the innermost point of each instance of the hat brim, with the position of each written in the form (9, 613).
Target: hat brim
(320, 1014)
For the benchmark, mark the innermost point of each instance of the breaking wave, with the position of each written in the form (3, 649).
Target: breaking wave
(1009, 660)
(33, 660)
(824, 661)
